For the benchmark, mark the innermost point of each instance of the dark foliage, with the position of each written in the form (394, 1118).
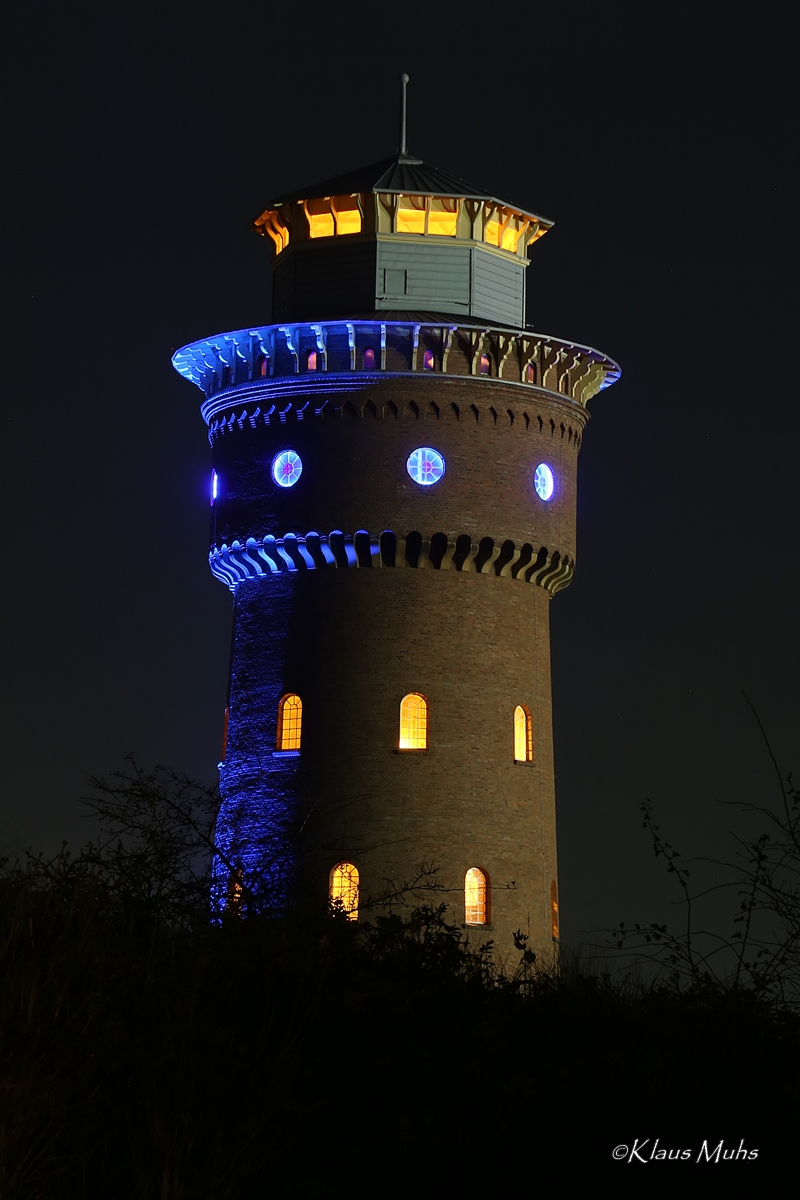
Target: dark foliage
(147, 1053)
(761, 949)
(140, 1059)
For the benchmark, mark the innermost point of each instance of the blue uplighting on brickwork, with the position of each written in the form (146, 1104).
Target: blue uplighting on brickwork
(263, 801)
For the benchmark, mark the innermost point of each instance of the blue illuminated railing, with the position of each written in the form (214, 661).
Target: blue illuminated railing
(231, 365)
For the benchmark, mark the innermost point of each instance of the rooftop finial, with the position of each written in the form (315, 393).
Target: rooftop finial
(403, 81)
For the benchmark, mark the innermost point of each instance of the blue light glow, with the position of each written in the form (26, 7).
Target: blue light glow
(425, 465)
(544, 481)
(287, 468)
(214, 486)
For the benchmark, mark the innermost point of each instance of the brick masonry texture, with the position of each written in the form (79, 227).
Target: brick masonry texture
(354, 466)
(351, 644)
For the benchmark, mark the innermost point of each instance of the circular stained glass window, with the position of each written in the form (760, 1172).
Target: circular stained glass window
(543, 481)
(287, 467)
(425, 465)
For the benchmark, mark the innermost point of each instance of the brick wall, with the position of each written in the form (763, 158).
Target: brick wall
(354, 472)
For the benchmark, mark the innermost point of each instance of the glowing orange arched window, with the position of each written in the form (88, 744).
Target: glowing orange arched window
(414, 722)
(311, 361)
(476, 897)
(554, 908)
(530, 373)
(290, 720)
(369, 359)
(235, 892)
(344, 889)
(523, 735)
(484, 364)
(427, 361)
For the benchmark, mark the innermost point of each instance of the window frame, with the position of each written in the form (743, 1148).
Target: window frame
(426, 708)
(527, 737)
(484, 892)
(280, 736)
(353, 887)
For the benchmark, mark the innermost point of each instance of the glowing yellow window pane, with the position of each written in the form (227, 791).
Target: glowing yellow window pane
(344, 889)
(350, 221)
(410, 219)
(290, 719)
(235, 895)
(523, 736)
(491, 233)
(510, 238)
(475, 897)
(554, 907)
(520, 734)
(442, 223)
(414, 722)
(276, 230)
(320, 224)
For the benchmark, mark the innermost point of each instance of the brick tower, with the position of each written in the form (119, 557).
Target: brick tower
(393, 508)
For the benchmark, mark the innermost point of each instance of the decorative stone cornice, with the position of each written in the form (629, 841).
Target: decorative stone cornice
(228, 368)
(256, 557)
(297, 400)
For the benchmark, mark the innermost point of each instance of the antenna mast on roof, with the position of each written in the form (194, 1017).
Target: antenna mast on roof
(403, 81)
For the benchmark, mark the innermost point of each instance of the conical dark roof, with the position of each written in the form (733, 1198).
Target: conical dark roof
(399, 174)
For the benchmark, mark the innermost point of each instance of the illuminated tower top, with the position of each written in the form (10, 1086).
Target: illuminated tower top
(402, 238)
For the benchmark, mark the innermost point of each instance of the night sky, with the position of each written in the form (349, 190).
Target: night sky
(661, 139)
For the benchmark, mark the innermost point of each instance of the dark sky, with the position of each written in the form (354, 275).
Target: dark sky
(661, 138)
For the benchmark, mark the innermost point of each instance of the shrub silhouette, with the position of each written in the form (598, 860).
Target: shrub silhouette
(147, 1052)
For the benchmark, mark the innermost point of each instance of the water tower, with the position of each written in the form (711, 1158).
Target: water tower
(394, 474)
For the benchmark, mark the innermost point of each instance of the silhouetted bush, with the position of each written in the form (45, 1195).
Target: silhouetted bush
(146, 1052)
(760, 951)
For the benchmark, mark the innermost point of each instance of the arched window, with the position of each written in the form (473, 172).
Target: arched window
(414, 722)
(530, 373)
(476, 897)
(484, 364)
(235, 891)
(369, 359)
(427, 360)
(344, 889)
(554, 908)
(311, 361)
(290, 719)
(263, 368)
(523, 735)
